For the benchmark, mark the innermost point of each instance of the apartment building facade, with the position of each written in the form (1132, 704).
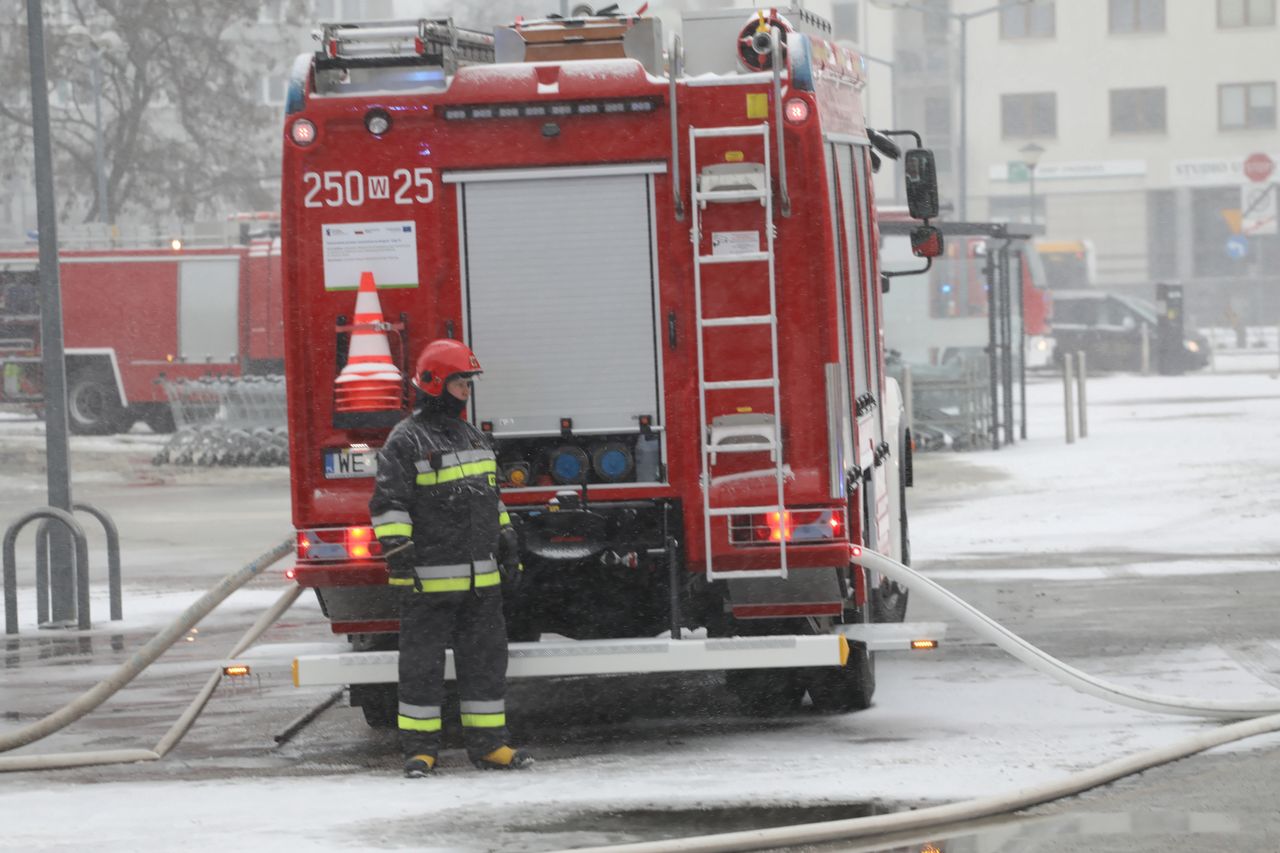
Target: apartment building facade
(1144, 113)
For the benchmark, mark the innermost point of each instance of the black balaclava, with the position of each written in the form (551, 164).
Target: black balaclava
(446, 404)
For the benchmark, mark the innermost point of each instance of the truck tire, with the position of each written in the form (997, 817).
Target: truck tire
(378, 702)
(766, 692)
(847, 688)
(93, 404)
(159, 418)
(761, 692)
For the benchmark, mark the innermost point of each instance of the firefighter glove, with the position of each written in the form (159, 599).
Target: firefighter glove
(509, 555)
(399, 554)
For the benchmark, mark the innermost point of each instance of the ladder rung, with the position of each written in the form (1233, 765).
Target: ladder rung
(743, 130)
(741, 447)
(734, 259)
(743, 510)
(731, 384)
(731, 195)
(745, 320)
(746, 574)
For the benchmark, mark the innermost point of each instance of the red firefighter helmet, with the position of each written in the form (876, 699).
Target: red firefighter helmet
(441, 359)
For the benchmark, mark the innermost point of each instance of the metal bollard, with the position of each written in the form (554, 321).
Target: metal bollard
(1081, 399)
(1146, 349)
(114, 592)
(1067, 381)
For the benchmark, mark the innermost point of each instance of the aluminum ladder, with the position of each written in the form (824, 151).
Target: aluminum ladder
(764, 195)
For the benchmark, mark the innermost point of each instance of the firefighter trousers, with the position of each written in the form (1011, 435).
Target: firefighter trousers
(471, 623)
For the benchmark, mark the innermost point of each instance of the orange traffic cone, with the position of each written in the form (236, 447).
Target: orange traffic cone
(370, 381)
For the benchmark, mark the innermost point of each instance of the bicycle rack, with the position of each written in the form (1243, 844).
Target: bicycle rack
(10, 565)
(113, 564)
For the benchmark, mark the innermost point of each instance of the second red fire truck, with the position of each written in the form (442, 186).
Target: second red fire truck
(135, 315)
(666, 260)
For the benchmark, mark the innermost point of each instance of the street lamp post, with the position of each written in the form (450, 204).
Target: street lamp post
(962, 191)
(1031, 153)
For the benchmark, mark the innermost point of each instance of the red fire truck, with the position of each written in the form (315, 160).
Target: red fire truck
(943, 313)
(666, 262)
(134, 315)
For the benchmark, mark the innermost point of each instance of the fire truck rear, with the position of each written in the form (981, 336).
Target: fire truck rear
(666, 261)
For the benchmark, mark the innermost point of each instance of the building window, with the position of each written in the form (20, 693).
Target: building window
(1023, 22)
(1137, 16)
(937, 118)
(1138, 110)
(1033, 114)
(352, 10)
(1246, 13)
(62, 95)
(1246, 106)
(274, 87)
(271, 12)
(1017, 208)
(844, 18)
(937, 15)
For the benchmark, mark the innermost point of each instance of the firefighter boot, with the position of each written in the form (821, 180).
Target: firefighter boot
(418, 766)
(505, 758)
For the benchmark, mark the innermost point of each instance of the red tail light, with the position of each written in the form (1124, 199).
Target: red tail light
(338, 544)
(789, 526)
(360, 542)
(779, 526)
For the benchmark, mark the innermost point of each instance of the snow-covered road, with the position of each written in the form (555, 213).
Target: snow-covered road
(1147, 554)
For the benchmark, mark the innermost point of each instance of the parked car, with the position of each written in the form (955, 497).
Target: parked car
(1108, 328)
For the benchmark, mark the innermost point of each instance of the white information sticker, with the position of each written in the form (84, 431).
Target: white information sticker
(735, 242)
(389, 250)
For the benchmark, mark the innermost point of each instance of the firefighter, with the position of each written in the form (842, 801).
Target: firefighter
(448, 543)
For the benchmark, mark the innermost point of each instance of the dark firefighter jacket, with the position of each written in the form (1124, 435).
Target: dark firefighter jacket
(437, 484)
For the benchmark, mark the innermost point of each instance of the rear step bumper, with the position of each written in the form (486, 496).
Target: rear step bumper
(626, 656)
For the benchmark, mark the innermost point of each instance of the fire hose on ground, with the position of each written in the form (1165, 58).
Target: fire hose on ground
(140, 660)
(1256, 718)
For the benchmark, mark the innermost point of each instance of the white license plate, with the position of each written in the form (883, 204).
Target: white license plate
(346, 462)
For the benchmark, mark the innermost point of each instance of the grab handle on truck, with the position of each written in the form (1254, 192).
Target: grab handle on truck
(784, 197)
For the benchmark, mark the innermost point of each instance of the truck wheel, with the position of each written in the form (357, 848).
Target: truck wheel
(847, 688)
(765, 692)
(93, 405)
(379, 703)
(159, 418)
(761, 692)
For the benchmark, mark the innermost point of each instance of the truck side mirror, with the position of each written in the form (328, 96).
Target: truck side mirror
(922, 183)
(926, 241)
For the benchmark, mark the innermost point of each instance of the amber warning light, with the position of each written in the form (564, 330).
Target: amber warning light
(923, 645)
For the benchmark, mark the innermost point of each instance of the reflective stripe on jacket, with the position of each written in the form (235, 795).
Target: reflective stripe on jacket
(437, 485)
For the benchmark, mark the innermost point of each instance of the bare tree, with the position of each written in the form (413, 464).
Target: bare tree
(183, 127)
